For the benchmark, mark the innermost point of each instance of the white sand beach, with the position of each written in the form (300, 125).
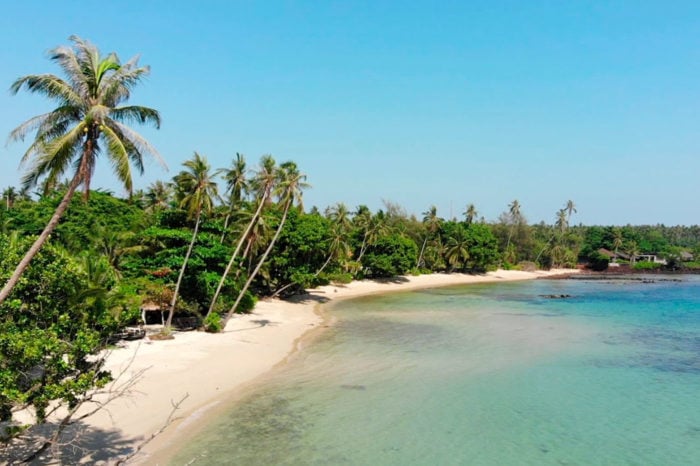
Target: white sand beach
(210, 369)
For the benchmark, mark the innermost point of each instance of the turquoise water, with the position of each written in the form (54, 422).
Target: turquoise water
(483, 375)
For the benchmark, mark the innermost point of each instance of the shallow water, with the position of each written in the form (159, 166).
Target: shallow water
(483, 375)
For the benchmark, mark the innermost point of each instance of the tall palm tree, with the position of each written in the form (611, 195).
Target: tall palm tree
(10, 196)
(89, 121)
(158, 195)
(340, 216)
(236, 186)
(262, 184)
(457, 252)
(470, 214)
(290, 184)
(196, 192)
(570, 208)
(432, 223)
(515, 219)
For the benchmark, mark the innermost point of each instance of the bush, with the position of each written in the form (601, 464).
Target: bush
(213, 323)
(645, 265)
(390, 256)
(598, 261)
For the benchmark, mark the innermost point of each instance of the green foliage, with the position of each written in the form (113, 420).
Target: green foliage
(49, 332)
(300, 251)
(390, 256)
(213, 323)
(646, 265)
(598, 261)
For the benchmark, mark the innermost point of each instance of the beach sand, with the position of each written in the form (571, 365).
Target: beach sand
(211, 369)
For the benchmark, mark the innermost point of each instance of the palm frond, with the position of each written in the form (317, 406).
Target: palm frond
(119, 156)
(136, 114)
(49, 86)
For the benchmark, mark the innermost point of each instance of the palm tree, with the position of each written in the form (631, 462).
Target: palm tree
(10, 196)
(457, 252)
(289, 189)
(570, 208)
(633, 251)
(562, 222)
(432, 223)
(88, 121)
(236, 186)
(470, 214)
(618, 239)
(262, 183)
(515, 219)
(340, 216)
(196, 192)
(158, 195)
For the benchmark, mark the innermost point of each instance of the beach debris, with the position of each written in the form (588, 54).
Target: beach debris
(354, 387)
(556, 296)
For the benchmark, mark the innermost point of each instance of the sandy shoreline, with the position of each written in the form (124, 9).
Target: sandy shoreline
(211, 369)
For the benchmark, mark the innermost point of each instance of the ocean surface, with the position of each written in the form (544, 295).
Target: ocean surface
(496, 374)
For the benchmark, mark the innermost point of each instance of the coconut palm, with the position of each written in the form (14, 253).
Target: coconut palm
(515, 219)
(618, 239)
(570, 208)
(236, 186)
(262, 184)
(339, 215)
(89, 121)
(195, 192)
(290, 184)
(470, 214)
(431, 222)
(457, 252)
(159, 195)
(10, 196)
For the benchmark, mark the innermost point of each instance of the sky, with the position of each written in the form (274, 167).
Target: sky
(418, 103)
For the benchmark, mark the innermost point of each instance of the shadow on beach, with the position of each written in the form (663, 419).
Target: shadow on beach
(79, 444)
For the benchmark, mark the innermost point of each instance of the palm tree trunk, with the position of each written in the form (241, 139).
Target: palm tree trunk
(422, 250)
(363, 247)
(182, 270)
(260, 263)
(233, 256)
(48, 229)
(223, 234)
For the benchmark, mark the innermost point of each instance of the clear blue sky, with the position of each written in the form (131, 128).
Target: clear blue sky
(420, 103)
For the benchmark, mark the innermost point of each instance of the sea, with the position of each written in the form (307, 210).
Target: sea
(541, 372)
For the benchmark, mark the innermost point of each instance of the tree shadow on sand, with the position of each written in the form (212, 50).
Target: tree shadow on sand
(78, 444)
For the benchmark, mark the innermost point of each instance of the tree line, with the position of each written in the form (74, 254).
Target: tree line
(206, 243)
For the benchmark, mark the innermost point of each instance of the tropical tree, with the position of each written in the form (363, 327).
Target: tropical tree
(262, 184)
(158, 195)
(432, 224)
(10, 196)
(470, 214)
(196, 191)
(570, 208)
(89, 121)
(290, 184)
(236, 186)
(457, 252)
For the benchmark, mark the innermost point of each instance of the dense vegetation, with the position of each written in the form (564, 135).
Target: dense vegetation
(209, 242)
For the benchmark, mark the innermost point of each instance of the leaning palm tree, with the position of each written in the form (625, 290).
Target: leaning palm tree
(196, 191)
(89, 121)
(289, 188)
(570, 209)
(431, 223)
(236, 186)
(262, 183)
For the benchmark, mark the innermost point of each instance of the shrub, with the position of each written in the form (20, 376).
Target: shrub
(212, 323)
(645, 265)
(598, 261)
